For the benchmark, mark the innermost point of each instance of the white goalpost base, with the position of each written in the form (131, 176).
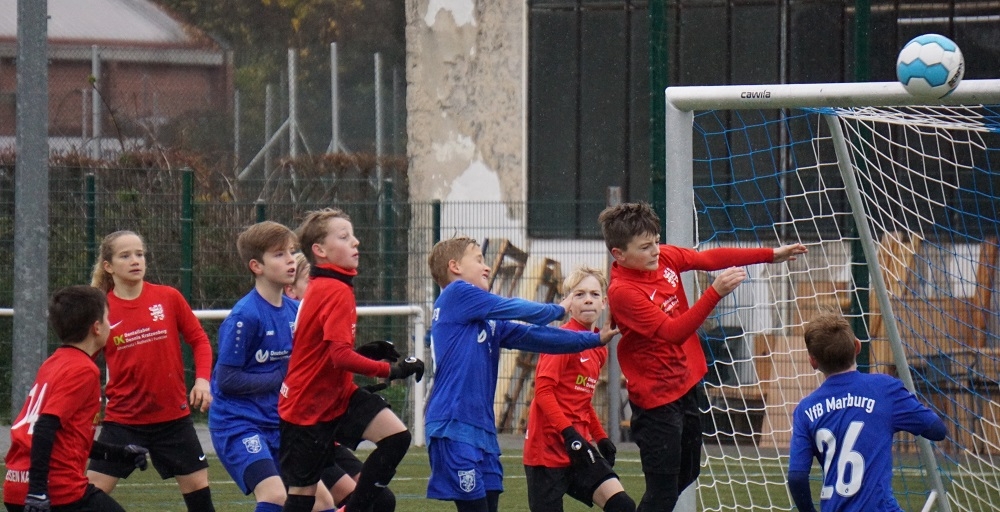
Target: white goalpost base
(898, 202)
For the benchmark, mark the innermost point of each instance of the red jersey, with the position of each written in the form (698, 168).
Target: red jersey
(319, 382)
(564, 390)
(660, 353)
(68, 386)
(145, 366)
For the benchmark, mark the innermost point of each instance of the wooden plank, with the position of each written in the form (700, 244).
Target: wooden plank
(786, 378)
(507, 268)
(543, 284)
(897, 252)
(931, 326)
(986, 271)
(815, 297)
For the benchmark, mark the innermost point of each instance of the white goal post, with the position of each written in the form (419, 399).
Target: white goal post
(897, 200)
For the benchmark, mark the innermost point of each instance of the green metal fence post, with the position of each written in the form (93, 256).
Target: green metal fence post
(187, 230)
(659, 79)
(860, 301)
(388, 253)
(436, 236)
(91, 201)
(261, 208)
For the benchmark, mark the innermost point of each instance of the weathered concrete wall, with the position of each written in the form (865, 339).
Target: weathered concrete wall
(465, 99)
(465, 103)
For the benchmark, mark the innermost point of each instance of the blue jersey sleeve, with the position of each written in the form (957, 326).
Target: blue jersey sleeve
(234, 381)
(477, 304)
(798, 487)
(545, 339)
(800, 453)
(237, 339)
(911, 416)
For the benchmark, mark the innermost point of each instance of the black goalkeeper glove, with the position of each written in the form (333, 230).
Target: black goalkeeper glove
(375, 388)
(135, 455)
(407, 367)
(581, 453)
(37, 503)
(608, 450)
(379, 350)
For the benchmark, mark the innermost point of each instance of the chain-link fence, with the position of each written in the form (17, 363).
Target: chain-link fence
(190, 223)
(190, 220)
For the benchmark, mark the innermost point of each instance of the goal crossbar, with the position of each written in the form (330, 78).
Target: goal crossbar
(883, 94)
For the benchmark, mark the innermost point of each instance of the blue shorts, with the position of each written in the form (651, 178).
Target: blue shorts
(241, 446)
(461, 471)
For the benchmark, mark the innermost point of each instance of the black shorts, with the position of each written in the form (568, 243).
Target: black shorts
(546, 486)
(347, 464)
(307, 450)
(173, 448)
(361, 410)
(669, 436)
(93, 500)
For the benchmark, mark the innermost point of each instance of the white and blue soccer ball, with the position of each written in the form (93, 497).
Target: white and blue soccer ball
(930, 66)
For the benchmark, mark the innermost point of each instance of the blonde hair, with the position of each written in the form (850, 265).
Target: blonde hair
(100, 278)
(582, 272)
(301, 266)
(443, 253)
(314, 228)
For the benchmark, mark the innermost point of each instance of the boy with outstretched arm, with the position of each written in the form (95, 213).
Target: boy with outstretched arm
(660, 353)
(847, 424)
(470, 326)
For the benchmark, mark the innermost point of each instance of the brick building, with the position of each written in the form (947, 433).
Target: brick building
(151, 71)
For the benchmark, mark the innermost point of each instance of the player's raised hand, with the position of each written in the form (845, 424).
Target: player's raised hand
(729, 279)
(407, 367)
(565, 302)
(608, 331)
(201, 396)
(788, 252)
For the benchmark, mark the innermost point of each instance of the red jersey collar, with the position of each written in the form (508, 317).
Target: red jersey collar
(335, 268)
(573, 325)
(632, 274)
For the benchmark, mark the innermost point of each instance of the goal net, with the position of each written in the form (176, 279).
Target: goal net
(898, 204)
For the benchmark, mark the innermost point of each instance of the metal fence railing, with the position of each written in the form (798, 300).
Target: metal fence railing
(196, 252)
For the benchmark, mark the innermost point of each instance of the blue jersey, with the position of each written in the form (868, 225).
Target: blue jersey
(255, 338)
(848, 424)
(469, 327)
